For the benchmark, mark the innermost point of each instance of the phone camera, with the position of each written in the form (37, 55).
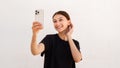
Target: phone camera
(36, 12)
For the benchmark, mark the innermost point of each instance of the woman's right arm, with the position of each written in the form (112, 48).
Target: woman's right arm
(36, 48)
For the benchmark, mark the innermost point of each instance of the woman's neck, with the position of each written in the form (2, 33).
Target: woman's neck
(62, 35)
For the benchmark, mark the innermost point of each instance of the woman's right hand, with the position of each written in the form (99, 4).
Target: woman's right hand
(36, 27)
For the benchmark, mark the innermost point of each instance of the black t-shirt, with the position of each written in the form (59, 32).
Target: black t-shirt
(57, 52)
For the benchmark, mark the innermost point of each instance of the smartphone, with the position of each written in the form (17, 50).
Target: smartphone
(39, 16)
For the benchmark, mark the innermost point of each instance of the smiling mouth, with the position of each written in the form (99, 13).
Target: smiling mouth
(59, 27)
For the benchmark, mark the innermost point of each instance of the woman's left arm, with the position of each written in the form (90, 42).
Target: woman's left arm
(77, 56)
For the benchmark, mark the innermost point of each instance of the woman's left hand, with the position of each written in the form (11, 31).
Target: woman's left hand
(69, 30)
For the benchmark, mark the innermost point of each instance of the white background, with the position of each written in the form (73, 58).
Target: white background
(96, 27)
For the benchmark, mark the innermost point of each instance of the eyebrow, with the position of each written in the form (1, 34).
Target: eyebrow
(58, 18)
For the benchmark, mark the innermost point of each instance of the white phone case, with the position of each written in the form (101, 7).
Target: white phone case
(39, 16)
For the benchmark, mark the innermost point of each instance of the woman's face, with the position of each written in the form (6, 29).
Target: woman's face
(60, 22)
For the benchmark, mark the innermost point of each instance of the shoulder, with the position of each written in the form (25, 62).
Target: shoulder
(50, 35)
(75, 41)
(77, 44)
(48, 38)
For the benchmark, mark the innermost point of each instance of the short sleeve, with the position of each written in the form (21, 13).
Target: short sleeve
(46, 42)
(77, 44)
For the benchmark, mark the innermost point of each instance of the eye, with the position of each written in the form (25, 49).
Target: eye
(54, 21)
(60, 19)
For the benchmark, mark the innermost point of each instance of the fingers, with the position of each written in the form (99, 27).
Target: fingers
(70, 26)
(36, 27)
(37, 24)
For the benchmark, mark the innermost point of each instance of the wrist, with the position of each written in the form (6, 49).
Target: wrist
(34, 34)
(69, 37)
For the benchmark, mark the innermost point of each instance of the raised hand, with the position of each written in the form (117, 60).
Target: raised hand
(36, 27)
(69, 30)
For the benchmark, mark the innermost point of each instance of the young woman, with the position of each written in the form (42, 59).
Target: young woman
(61, 51)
